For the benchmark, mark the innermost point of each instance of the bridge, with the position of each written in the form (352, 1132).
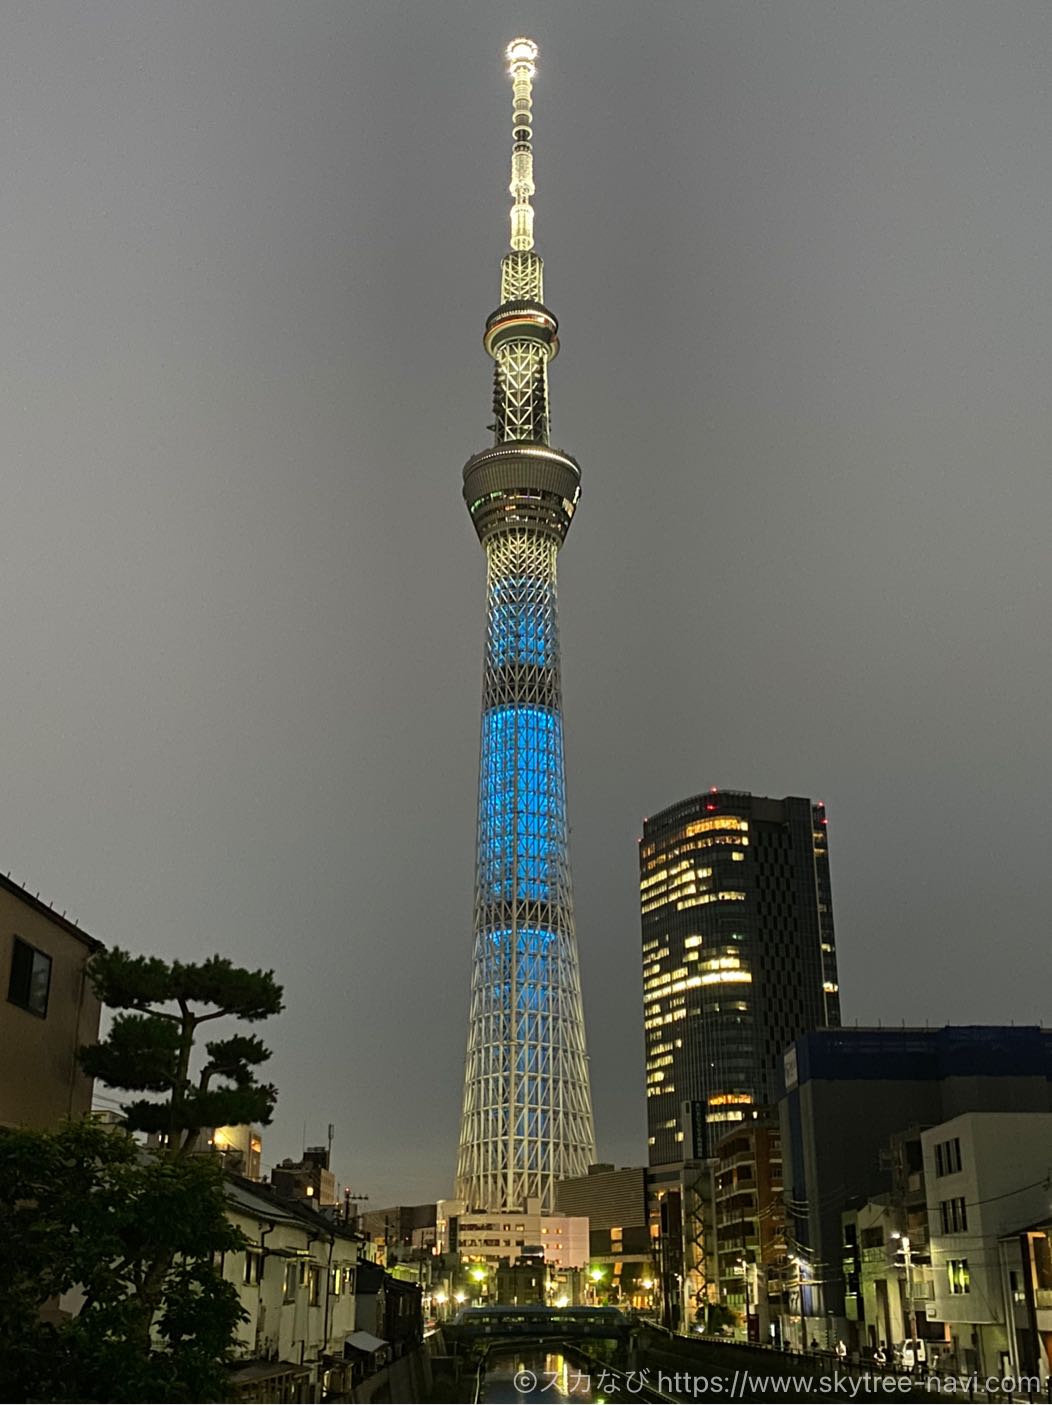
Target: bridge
(563, 1324)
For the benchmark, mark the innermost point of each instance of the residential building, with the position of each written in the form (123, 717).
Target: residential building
(399, 1228)
(988, 1175)
(620, 1250)
(308, 1179)
(887, 1257)
(241, 1148)
(749, 1219)
(527, 1110)
(1027, 1255)
(321, 1317)
(50, 1011)
(885, 1298)
(526, 1280)
(739, 957)
(847, 1093)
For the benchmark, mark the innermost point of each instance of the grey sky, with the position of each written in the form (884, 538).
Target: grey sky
(801, 257)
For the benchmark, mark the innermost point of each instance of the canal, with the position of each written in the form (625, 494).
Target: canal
(513, 1374)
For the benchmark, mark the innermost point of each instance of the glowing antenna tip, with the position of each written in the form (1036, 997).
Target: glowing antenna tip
(522, 52)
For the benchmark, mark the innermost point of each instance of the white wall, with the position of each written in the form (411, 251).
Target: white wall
(1005, 1160)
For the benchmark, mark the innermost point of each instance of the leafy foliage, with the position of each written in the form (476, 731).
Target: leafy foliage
(86, 1209)
(130, 1235)
(149, 1046)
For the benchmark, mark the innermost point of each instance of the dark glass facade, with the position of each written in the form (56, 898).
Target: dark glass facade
(739, 958)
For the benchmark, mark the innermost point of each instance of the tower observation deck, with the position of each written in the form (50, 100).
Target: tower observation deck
(527, 1118)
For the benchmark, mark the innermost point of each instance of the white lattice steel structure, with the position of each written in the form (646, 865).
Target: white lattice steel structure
(527, 1120)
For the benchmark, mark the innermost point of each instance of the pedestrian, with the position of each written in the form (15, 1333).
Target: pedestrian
(841, 1352)
(814, 1345)
(880, 1356)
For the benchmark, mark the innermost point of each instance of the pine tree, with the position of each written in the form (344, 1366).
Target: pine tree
(150, 1045)
(135, 1234)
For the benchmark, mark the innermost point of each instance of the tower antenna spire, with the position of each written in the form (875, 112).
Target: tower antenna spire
(522, 65)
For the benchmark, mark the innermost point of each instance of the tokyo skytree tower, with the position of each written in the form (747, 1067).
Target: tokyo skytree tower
(527, 1119)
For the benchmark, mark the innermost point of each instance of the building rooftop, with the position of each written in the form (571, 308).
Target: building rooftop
(914, 1054)
(60, 919)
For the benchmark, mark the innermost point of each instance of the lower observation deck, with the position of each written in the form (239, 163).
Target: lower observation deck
(520, 485)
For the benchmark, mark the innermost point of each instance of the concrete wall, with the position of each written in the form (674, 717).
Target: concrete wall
(408, 1378)
(40, 1081)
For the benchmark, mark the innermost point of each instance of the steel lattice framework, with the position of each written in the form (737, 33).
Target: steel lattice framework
(527, 1120)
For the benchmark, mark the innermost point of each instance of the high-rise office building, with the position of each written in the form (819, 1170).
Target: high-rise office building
(739, 958)
(527, 1118)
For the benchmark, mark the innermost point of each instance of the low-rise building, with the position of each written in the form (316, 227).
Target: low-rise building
(308, 1179)
(50, 1011)
(887, 1281)
(321, 1317)
(486, 1238)
(987, 1176)
(847, 1093)
(1027, 1257)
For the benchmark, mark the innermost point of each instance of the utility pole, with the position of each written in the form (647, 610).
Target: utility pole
(907, 1262)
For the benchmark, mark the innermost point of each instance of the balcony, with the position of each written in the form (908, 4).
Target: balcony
(740, 1158)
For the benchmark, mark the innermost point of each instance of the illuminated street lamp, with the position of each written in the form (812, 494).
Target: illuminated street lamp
(596, 1275)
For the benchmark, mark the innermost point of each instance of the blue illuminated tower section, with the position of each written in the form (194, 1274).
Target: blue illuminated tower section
(527, 1119)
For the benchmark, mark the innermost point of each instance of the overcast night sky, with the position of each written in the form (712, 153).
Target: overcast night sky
(801, 257)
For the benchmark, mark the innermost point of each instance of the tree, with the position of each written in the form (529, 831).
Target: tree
(86, 1208)
(137, 1232)
(150, 1050)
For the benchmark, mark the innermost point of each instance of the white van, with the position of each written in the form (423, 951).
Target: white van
(912, 1353)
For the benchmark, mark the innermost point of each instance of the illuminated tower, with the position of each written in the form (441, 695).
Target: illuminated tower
(527, 1119)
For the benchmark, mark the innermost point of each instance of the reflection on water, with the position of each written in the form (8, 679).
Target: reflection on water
(536, 1375)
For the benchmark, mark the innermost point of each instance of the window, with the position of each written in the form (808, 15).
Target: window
(960, 1278)
(253, 1265)
(291, 1283)
(948, 1157)
(953, 1215)
(313, 1286)
(30, 979)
